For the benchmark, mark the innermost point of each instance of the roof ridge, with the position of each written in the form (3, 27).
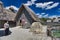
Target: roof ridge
(31, 12)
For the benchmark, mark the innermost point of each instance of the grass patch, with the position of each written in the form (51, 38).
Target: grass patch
(56, 33)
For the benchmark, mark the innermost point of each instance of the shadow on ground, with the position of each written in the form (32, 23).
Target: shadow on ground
(2, 33)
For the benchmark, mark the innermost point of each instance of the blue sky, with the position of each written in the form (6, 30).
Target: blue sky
(43, 8)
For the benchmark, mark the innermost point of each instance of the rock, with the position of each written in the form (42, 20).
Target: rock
(38, 28)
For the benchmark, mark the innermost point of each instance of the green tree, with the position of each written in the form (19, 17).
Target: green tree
(44, 19)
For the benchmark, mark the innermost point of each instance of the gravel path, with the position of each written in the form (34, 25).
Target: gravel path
(21, 34)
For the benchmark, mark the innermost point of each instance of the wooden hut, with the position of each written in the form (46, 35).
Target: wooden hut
(25, 17)
(6, 15)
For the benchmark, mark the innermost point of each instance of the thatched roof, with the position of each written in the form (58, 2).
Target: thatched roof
(30, 11)
(7, 15)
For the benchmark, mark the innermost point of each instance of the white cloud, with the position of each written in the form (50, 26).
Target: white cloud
(45, 16)
(38, 14)
(42, 13)
(54, 16)
(47, 5)
(13, 7)
(54, 5)
(33, 1)
(43, 5)
(29, 3)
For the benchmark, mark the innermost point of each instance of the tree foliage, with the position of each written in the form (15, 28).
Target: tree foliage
(44, 19)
